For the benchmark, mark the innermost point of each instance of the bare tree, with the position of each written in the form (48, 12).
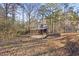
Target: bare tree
(30, 8)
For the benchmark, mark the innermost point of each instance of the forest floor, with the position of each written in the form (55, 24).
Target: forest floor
(66, 44)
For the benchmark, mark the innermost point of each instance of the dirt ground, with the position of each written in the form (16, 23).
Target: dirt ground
(65, 45)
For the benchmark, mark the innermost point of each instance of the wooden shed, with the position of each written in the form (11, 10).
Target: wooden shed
(41, 29)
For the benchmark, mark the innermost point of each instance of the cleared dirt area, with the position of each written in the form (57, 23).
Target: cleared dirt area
(22, 46)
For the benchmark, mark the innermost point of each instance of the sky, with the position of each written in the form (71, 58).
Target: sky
(19, 16)
(76, 5)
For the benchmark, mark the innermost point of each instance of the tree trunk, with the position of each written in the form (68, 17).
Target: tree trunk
(6, 11)
(13, 13)
(23, 18)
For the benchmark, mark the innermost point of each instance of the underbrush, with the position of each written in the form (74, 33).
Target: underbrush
(66, 47)
(9, 30)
